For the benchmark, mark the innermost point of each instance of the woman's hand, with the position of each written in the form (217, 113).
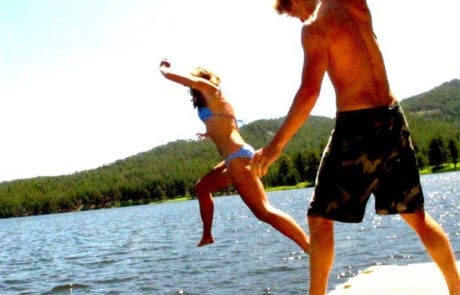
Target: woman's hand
(164, 66)
(165, 63)
(202, 136)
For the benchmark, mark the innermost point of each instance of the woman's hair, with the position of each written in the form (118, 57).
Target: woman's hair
(282, 6)
(198, 99)
(208, 75)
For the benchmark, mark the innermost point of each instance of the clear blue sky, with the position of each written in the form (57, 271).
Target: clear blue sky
(80, 87)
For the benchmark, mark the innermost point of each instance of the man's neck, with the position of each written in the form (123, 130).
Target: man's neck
(314, 11)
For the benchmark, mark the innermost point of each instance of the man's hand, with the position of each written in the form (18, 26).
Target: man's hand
(262, 160)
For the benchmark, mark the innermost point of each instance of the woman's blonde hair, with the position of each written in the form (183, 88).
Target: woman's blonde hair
(208, 75)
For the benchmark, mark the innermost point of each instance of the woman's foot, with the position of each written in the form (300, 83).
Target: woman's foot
(205, 241)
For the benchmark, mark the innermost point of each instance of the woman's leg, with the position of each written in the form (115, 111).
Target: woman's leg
(253, 194)
(216, 179)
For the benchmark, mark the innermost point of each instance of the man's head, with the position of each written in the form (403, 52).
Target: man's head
(301, 9)
(283, 6)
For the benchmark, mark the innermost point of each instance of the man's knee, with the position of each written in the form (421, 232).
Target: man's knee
(417, 221)
(319, 224)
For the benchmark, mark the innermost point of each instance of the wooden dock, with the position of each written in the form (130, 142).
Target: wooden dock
(412, 279)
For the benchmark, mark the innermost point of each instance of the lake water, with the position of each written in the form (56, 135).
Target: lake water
(151, 249)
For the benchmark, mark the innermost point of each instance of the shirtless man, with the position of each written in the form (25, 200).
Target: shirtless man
(369, 151)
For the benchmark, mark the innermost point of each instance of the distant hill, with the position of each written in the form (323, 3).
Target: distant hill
(434, 114)
(170, 170)
(441, 103)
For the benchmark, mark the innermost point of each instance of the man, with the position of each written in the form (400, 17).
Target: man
(369, 151)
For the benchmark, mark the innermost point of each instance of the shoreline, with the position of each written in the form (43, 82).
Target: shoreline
(306, 184)
(128, 203)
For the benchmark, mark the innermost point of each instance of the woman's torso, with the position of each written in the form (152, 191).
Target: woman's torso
(221, 126)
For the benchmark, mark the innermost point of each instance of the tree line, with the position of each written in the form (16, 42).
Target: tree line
(171, 170)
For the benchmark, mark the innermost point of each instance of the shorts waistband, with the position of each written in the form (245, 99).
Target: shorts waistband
(368, 114)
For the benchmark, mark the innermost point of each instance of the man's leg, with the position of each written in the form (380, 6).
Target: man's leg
(437, 245)
(321, 253)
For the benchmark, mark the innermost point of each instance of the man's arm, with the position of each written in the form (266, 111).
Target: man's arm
(314, 68)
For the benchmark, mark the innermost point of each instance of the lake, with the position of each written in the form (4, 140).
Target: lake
(151, 249)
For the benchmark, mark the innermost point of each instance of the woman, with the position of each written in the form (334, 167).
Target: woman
(221, 127)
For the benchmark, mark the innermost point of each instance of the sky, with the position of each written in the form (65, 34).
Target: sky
(80, 86)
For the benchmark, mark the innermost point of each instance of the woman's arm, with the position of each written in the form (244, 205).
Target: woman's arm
(187, 80)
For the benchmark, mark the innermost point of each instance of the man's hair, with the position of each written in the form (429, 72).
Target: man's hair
(282, 6)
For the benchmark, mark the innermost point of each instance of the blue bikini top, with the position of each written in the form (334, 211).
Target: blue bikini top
(204, 113)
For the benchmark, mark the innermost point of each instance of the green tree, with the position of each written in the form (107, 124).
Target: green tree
(453, 152)
(287, 172)
(300, 163)
(313, 161)
(436, 153)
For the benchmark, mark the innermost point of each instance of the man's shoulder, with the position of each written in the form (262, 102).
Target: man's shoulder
(334, 18)
(322, 24)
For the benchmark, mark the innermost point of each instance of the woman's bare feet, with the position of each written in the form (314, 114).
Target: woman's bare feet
(205, 241)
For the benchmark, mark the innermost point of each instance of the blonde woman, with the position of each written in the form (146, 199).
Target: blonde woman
(221, 127)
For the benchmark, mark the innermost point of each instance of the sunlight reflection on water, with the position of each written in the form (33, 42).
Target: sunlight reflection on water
(151, 249)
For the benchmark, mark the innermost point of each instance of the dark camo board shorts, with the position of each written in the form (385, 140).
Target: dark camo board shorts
(369, 152)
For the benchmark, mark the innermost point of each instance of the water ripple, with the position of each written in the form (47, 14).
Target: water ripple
(68, 288)
(151, 249)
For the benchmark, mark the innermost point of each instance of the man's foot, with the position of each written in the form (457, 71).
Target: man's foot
(205, 241)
